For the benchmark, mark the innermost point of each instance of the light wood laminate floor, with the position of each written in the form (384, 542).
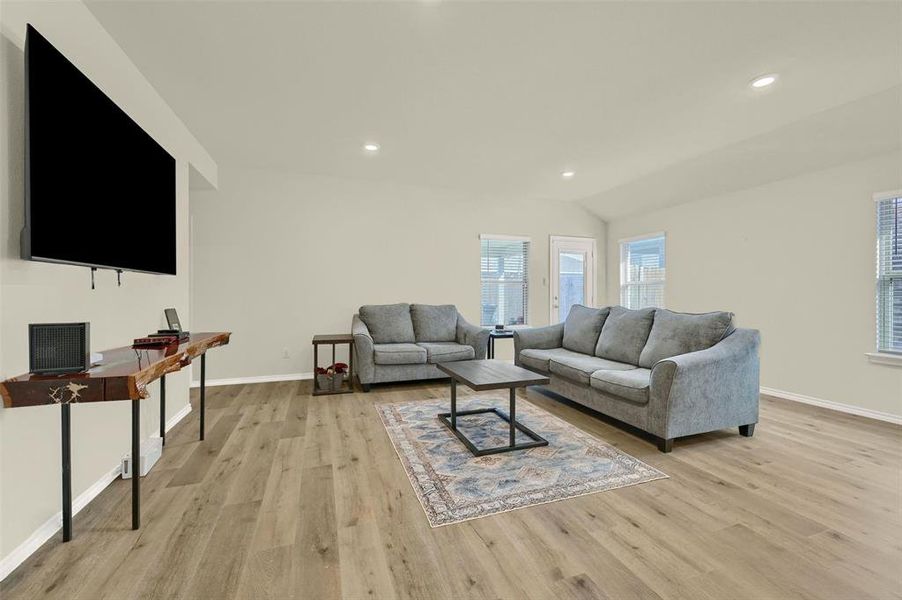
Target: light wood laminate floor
(293, 496)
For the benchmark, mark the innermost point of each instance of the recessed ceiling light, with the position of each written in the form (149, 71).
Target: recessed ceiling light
(371, 147)
(763, 81)
(568, 174)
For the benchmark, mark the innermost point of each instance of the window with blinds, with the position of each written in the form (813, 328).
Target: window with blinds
(642, 272)
(504, 269)
(889, 275)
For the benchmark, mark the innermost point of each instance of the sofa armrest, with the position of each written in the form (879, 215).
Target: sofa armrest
(364, 359)
(471, 335)
(707, 390)
(543, 338)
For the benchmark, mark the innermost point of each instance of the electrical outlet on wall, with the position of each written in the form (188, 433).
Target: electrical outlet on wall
(286, 353)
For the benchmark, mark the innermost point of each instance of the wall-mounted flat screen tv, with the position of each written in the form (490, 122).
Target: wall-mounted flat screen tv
(99, 191)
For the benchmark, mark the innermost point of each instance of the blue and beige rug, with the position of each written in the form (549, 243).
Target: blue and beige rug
(453, 485)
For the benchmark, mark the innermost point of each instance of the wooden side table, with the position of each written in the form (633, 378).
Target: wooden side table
(334, 339)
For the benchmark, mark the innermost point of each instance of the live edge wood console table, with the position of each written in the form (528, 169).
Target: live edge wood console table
(124, 374)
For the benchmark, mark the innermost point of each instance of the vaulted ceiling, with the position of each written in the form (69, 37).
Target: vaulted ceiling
(648, 102)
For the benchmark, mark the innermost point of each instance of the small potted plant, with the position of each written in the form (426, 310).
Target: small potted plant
(338, 375)
(331, 377)
(323, 378)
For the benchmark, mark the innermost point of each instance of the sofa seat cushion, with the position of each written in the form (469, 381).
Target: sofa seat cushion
(399, 354)
(580, 368)
(582, 327)
(537, 359)
(624, 334)
(432, 323)
(676, 333)
(388, 323)
(439, 352)
(631, 385)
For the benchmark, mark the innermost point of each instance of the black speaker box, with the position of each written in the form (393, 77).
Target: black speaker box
(59, 347)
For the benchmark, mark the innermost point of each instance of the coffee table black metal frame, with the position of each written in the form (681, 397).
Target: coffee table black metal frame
(481, 375)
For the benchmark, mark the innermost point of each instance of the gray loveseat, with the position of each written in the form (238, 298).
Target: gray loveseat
(404, 342)
(669, 374)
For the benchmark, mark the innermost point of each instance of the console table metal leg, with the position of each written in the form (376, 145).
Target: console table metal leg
(203, 385)
(136, 464)
(513, 416)
(163, 409)
(453, 404)
(67, 472)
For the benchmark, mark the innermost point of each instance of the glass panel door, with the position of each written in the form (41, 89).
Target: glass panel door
(572, 275)
(571, 281)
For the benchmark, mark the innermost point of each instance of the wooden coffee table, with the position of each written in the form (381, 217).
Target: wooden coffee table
(482, 375)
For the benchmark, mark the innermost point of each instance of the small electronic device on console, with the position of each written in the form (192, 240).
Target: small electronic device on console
(175, 326)
(56, 348)
(172, 318)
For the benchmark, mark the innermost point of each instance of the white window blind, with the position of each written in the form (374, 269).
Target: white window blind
(642, 272)
(889, 275)
(504, 271)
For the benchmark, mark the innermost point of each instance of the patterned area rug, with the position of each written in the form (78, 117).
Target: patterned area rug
(454, 486)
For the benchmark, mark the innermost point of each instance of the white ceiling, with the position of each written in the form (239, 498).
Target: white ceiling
(648, 102)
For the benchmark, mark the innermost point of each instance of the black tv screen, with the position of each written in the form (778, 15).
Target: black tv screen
(99, 191)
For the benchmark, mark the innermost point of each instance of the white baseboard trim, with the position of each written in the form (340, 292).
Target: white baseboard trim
(54, 524)
(255, 379)
(837, 406)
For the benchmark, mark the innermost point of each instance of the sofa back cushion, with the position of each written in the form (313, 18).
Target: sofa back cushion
(434, 323)
(582, 327)
(676, 333)
(624, 334)
(388, 323)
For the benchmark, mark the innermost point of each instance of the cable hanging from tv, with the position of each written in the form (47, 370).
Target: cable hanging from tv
(118, 277)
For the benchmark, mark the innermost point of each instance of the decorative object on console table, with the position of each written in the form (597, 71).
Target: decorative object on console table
(338, 378)
(124, 375)
(154, 341)
(180, 336)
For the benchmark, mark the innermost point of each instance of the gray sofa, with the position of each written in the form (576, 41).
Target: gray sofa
(404, 342)
(669, 374)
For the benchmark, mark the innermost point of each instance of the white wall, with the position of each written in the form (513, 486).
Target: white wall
(39, 292)
(795, 259)
(279, 257)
